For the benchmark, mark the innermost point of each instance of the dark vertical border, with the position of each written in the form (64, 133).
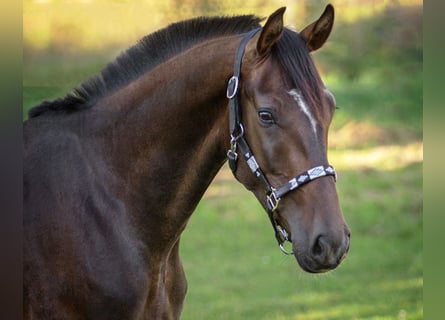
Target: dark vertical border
(11, 159)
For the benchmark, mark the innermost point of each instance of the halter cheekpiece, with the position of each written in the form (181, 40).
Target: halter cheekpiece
(238, 143)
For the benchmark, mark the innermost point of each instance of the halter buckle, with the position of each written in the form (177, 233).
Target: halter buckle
(233, 138)
(272, 200)
(231, 153)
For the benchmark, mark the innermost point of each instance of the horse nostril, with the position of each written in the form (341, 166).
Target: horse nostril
(329, 253)
(318, 248)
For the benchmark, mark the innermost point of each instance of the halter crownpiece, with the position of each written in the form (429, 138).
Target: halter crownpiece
(239, 142)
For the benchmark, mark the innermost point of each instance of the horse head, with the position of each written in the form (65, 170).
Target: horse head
(286, 112)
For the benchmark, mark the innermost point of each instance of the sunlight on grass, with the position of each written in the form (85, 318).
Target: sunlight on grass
(76, 26)
(351, 11)
(91, 24)
(330, 306)
(402, 284)
(383, 157)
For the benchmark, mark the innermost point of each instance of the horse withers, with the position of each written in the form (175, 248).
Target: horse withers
(114, 170)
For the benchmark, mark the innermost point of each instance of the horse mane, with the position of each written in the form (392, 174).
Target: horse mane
(149, 52)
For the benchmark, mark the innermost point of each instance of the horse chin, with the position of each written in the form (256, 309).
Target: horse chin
(309, 265)
(312, 268)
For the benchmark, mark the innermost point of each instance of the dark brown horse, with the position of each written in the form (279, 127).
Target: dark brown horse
(113, 171)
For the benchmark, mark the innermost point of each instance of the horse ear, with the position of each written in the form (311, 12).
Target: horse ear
(316, 34)
(271, 32)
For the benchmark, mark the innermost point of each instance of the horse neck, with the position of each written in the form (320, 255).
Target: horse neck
(169, 140)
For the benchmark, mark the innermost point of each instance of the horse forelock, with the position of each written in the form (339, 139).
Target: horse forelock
(151, 51)
(295, 59)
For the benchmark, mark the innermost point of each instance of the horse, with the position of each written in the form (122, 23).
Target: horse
(113, 170)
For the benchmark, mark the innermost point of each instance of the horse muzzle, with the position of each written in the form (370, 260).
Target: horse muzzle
(322, 254)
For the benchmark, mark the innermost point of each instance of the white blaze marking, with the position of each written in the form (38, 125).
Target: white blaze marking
(303, 106)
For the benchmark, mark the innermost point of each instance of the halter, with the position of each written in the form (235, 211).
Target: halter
(238, 141)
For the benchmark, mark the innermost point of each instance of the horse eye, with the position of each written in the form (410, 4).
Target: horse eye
(266, 117)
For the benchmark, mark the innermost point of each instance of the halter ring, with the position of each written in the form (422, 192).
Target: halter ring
(232, 87)
(284, 250)
(285, 235)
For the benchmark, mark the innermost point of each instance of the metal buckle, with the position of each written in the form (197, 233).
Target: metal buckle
(232, 87)
(231, 154)
(283, 232)
(272, 200)
(234, 139)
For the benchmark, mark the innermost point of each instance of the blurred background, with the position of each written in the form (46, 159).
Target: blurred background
(372, 63)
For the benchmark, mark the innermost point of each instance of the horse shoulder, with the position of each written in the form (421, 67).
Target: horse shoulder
(80, 247)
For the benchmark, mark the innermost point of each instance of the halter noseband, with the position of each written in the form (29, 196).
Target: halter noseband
(238, 141)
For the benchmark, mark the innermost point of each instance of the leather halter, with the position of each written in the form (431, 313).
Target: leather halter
(238, 141)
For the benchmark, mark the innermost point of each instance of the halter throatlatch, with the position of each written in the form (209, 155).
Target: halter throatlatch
(238, 143)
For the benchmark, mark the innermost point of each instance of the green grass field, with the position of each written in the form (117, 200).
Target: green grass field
(233, 265)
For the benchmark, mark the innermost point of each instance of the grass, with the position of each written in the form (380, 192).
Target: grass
(381, 98)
